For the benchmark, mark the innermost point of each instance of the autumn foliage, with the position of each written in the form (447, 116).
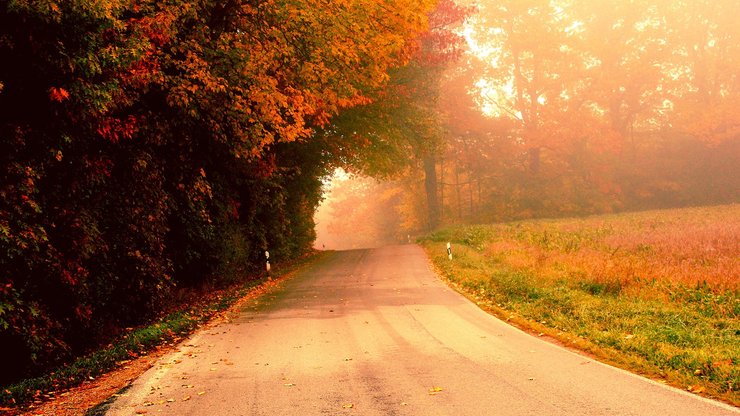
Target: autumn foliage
(593, 107)
(148, 146)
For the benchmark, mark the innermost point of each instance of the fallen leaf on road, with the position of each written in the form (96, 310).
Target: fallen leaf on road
(348, 406)
(186, 398)
(148, 404)
(170, 400)
(289, 384)
(434, 390)
(404, 404)
(200, 393)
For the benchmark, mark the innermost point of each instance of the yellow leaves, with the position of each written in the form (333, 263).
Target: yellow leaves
(434, 390)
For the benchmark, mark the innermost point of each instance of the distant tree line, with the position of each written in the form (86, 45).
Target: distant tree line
(565, 108)
(593, 107)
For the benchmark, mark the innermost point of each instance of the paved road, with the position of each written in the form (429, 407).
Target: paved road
(375, 332)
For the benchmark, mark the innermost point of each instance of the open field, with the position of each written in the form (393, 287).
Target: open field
(657, 292)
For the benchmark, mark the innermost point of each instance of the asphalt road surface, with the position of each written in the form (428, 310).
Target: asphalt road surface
(375, 332)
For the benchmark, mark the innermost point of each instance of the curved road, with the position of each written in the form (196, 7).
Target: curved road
(375, 332)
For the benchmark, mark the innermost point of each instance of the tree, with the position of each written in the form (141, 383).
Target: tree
(148, 145)
(701, 76)
(401, 131)
(594, 87)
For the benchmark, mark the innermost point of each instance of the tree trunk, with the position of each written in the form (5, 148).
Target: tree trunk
(534, 160)
(470, 193)
(441, 202)
(457, 191)
(430, 186)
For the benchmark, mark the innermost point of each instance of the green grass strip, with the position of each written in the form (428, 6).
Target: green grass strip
(675, 341)
(172, 327)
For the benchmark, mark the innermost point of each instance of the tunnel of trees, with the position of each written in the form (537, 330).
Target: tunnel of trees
(148, 147)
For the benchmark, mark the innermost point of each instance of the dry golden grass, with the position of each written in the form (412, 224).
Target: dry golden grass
(691, 247)
(656, 292)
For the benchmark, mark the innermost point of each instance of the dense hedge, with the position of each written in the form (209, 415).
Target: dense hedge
(151, 146)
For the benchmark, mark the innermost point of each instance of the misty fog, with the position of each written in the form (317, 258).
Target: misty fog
(554, 109)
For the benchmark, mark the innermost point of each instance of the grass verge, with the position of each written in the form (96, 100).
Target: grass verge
(167, 330)
(687, 334)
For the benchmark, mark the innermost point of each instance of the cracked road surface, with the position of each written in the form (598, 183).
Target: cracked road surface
(375, 332)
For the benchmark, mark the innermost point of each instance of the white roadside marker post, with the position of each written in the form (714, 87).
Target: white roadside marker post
(267, 261)
(449, 251)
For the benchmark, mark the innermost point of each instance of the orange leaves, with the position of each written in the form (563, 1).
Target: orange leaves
(284, 68)
(713, 124)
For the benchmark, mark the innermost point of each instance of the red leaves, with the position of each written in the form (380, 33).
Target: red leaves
(58, 94)
(441, 44)
(265, 167)
(83, 312)
(114, 129)
(97, 166)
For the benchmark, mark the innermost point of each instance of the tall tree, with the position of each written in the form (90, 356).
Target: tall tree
(401, 131)
(146, 145)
